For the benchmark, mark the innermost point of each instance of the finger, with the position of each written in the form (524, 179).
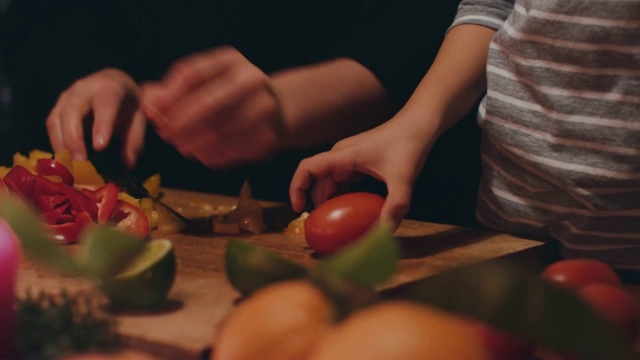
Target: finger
(323, 189)
(72, 116)
(54, 127)
(190, 73)
(309, 171)
(397, 202)
(107, 107)
(134, 139)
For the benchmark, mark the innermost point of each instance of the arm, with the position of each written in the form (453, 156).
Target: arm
(449, 89)
(326, 102)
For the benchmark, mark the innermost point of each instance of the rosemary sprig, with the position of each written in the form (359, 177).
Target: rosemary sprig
(53, 325)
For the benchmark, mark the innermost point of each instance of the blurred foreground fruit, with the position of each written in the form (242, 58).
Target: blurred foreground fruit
(145, 282)
(401, 330)
(576, 273)
(280, 321)
(614, 304)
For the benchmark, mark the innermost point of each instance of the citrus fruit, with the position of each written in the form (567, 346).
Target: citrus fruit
(146, 280)
(397, 329)
(280, 321)
(105, 251)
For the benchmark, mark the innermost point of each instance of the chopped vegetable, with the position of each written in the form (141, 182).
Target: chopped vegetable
(247, 215)
(71, 195)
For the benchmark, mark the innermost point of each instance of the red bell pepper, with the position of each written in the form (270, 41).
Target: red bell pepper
(21, 181)
(52, 167)
(105, 197)
(68, 232)
(130, 218)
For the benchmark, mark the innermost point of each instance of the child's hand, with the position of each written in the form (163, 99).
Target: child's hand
(393, 153)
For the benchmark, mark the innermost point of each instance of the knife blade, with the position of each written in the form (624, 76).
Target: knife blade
(110, 165)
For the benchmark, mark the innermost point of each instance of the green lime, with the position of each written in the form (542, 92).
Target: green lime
(104, 251)
(146, 280)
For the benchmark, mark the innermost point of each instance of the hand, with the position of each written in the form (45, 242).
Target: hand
(112, 97)
(391, 153)
(216, 107)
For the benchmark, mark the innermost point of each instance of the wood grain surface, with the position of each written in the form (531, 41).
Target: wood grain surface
(201, 296)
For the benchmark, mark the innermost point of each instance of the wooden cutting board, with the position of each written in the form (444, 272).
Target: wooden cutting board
(201, 296)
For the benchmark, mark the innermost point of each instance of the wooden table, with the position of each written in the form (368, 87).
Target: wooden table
(201, 296)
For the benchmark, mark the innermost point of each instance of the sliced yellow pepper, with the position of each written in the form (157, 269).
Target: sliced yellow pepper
(152, 184)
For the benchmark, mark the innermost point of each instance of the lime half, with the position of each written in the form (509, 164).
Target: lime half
(146, 280)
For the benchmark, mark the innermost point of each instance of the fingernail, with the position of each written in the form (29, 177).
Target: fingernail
(99, 141)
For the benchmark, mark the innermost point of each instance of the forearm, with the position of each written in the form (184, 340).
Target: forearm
(326, 102)
(453, 84)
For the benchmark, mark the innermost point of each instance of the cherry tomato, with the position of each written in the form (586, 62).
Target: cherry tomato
(130, 218)
(576, 273)
(614, 304)
(341, 220)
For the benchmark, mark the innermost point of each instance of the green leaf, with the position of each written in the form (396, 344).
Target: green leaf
(105, 250)
(250, 267)
(369, 261)
(35, 240)
(519, 302)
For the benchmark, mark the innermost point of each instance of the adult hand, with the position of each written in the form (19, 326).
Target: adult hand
(391, 153)
(216, 107)
(111, 96)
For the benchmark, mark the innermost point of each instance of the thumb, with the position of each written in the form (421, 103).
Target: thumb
(397, 204)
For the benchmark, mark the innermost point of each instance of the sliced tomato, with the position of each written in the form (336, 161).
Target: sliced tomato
(52, 167)
(105, 197)
(128, 217)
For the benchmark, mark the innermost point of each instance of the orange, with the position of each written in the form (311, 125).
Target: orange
(280, 321)
(401, 330)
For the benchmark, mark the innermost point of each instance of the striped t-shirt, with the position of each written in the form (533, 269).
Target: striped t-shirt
(561, 123)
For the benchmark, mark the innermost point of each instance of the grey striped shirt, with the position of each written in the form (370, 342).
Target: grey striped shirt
(561, 123)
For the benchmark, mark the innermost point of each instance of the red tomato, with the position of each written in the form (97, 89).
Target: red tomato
(614, 304)
(576, 273)
(341, 220)
(130, 218)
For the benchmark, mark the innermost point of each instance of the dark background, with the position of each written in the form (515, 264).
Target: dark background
(445, 191)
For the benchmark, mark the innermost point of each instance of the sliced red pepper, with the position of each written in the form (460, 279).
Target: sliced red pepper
(105, 197)
(22, 182)
(130, 218)
(57, 215)
(68, 232)
(79, 201)
(50, 202)
(52, 167)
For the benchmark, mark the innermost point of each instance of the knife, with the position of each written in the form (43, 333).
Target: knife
(110, 165)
